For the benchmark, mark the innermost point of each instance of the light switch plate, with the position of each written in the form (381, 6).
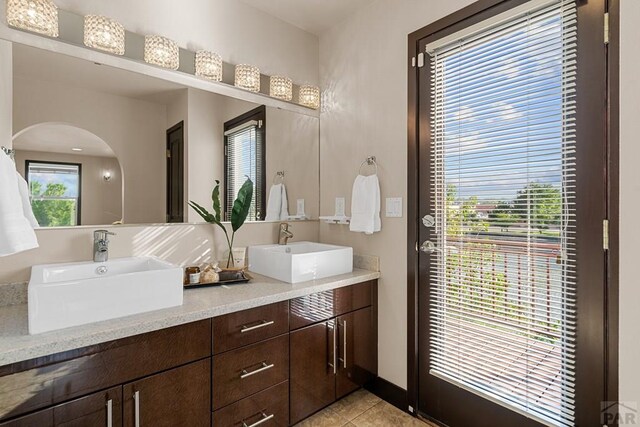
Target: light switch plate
(394, 207)
(340, 206)
(300, 207)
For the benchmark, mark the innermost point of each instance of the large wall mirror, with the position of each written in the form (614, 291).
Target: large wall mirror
(100, 146)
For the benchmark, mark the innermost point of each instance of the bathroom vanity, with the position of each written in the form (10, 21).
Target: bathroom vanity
(264, 353)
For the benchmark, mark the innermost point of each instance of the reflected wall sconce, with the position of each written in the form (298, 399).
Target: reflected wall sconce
(38, 16)
(107, 176)
(161, 51)
(281, 87)
(309, 96)
(104, 34)
(247, 77)
(209, 65)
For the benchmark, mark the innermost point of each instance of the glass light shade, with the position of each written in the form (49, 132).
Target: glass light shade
(248, 77)
(281, 87)
(309, 96)
(104, 34)
(39, 16)
(162, 52)
(208, 65)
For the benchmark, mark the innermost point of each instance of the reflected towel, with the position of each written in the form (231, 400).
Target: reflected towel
(365, 205)
(277, 204)
(26, 201)
(16, 232)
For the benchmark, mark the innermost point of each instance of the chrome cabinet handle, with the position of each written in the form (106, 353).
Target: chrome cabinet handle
(334, 365)
(262, 324)
(264, 367)
(344, 344)
(136, 400)
(264, 419)
(110, 413)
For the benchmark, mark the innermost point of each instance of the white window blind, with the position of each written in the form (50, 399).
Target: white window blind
(245, 158)
(502, 277)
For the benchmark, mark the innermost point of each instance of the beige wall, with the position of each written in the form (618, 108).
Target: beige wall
(629, 202)
(101, 201)
(134, 129)
(181, 244)
(239, 33)
(363, 73)
(6, 93)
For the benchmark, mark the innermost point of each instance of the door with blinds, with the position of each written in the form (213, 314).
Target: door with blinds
(511, 198)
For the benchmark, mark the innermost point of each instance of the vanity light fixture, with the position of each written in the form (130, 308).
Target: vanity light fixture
(281, 87)
(39, 16)
(209, 65)
(103, 33)
(247, 77)
(309, 96)
(161, 51)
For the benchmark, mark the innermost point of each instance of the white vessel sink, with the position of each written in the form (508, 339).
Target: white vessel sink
(63, 295)
(300, 261)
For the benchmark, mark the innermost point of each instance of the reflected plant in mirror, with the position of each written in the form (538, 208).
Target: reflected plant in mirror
(239, 213)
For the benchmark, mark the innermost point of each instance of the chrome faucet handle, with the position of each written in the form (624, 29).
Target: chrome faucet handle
(102, 234)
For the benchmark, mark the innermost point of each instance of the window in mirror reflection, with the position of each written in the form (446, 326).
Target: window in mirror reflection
(244, 148)
(55, 192)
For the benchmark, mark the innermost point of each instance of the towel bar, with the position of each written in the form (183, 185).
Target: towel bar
(371, 160)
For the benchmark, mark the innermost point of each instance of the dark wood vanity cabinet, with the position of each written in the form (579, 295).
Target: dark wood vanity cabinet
(272, 365)
(98, 409)
(335, 356)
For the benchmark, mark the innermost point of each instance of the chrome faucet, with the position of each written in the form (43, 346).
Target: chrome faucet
(285, 234)
(101, 245)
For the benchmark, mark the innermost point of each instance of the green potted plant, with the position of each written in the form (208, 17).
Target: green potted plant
(239, 213)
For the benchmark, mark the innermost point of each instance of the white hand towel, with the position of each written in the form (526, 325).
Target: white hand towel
(26, 201)
(365, 205)
(274, 203)
(16, 233)
(284, 204)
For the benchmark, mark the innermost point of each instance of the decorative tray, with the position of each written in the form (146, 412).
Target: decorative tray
(226, 278)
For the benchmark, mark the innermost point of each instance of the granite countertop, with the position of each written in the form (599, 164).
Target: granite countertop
(17, 345)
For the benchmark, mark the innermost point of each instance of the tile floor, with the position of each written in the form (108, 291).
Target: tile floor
(362, 409)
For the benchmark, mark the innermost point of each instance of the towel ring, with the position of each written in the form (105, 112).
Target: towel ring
(9, 152)
(280, 175)
(369, 161)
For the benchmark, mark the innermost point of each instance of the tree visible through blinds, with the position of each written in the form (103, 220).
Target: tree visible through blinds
(502, 276)
(244, 151)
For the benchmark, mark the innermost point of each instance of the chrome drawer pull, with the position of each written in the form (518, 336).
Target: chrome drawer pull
(344, 345)
(136, 399)
(264, 367)
(110, 413)
(264, 419)
(262, 324)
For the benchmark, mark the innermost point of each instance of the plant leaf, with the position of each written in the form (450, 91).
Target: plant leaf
(202, 212)
(242, 205)
(215, 197)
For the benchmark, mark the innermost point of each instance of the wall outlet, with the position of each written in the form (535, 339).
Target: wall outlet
(340, 203)
(393, 207)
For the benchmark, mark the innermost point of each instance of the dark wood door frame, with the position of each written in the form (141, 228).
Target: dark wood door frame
(476, 12)
(179, 127)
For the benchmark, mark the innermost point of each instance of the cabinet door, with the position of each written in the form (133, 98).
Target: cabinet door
(178, 397)
(312, 377)
(357, 350)
(98, 409)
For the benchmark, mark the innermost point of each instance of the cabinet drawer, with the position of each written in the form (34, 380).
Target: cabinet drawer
(270, 408)
(248, 370)
(322, 306)
(32, 385)
(249, 326)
